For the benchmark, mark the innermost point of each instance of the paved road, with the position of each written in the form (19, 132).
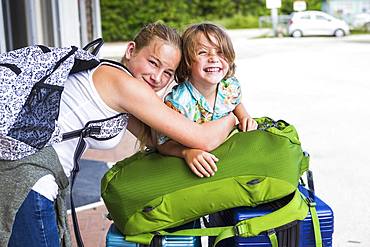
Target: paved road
(322, 86)
(86, 189)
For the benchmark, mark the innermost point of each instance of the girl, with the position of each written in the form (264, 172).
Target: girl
(207, 91)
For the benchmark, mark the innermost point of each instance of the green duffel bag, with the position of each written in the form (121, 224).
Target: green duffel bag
(149, 192)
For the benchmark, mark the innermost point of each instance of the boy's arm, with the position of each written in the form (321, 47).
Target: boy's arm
(201, 163)
(246, 122)
(135, 126)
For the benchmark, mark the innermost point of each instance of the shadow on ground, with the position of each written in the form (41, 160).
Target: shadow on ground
(87, 185)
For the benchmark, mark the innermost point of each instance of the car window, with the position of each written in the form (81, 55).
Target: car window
(321, 18)
(305, 17)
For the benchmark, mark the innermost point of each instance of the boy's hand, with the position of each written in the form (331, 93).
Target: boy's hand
(200, 162)
(247, 124)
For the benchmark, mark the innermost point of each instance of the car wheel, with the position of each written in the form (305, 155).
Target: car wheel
(339, 33)
(297, 34)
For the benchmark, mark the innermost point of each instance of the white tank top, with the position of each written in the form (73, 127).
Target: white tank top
(80, 103)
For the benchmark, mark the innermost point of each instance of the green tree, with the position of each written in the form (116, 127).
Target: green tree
(287, 5)
(122, 19)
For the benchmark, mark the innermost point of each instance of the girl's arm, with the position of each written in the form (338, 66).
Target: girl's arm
(126, 94)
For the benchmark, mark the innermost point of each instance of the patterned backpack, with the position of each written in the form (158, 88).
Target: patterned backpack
(31, 84)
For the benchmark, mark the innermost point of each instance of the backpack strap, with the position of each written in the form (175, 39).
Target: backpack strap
(89, 130)
(310, 200)
(115, 64)
(296, 209)
(98, 43)
(81, 146)
(273, 238)
(315, 220)
(76, 168)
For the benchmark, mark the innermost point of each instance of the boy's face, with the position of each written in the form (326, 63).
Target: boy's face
(154, 64)
(209, 66)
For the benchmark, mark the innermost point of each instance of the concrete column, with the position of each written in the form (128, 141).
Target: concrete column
(97, 32)
(83, 22)
(2, 31)
(69, 23)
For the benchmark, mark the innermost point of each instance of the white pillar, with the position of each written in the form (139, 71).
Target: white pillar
(34, 22)
(83, 22)
(2, 31)
(97, 32)
(274, 20)
(69, 23)
(55, 23)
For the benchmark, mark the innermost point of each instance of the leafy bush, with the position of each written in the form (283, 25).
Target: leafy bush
(238, 21)
(122, 19)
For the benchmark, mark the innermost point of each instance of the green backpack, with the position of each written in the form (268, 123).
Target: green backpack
(148, 192)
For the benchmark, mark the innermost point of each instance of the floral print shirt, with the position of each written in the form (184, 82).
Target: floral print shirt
(187, 100)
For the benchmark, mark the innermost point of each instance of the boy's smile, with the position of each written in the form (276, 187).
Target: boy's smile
(212, 69)
(209, 66)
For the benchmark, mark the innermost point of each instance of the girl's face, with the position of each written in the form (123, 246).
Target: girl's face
(154, 64)
(209, 66)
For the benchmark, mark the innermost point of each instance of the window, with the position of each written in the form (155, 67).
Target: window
(321, 18)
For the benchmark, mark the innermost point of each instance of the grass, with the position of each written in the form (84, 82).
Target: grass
(238, 22)
(359, 31)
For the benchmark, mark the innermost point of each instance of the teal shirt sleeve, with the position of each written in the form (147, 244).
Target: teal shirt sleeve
(228, 97)
(233, 91)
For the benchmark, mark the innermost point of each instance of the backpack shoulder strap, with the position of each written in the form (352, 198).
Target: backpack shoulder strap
(296, 209)
(115, 64)
(98, 43)
(81, 63)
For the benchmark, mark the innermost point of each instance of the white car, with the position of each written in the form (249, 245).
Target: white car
(310, 23)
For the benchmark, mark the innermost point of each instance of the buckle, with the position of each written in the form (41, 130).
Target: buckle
(271, 232)
(310, 202)
(91, 130)
(236, 231)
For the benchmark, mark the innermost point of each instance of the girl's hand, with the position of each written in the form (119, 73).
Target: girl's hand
(200, 162)
(247, 124)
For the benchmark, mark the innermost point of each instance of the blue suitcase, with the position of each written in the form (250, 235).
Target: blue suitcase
(115, 239)
(305, 236)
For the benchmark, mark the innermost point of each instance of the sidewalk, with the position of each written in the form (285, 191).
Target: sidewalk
(93, 225)
(115, 50)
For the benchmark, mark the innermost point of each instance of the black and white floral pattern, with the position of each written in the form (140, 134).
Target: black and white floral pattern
(31, 84)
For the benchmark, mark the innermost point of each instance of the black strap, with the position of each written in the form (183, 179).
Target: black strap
(81, 146)
(98, 43)
(12, 67)
(78, 152)
(311, 187)
(112, 62)
(206, 222)
(85, 131)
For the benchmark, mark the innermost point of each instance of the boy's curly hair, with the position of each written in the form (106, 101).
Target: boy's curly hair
(190, 45)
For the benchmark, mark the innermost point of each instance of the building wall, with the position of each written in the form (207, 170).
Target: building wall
(48, 22)
(345, 8)
(2, 32)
